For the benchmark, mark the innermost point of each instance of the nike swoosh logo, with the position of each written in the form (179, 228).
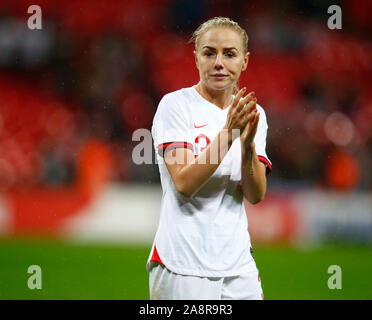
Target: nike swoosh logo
(197, 127)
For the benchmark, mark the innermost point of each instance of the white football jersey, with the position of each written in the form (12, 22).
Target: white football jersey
(205, 235)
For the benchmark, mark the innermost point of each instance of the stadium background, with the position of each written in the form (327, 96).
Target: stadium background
(71, 95)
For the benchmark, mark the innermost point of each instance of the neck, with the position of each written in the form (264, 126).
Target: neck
(221, 98)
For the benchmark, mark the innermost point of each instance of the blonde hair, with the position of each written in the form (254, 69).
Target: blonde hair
(220, 22)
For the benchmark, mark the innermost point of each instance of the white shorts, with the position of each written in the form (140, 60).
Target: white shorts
(167, 285)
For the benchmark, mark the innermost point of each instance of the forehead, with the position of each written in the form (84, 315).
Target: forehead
(220, 37)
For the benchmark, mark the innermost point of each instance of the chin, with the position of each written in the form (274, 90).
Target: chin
(220, 86)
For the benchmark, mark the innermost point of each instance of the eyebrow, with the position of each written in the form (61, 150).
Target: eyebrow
(211, 48)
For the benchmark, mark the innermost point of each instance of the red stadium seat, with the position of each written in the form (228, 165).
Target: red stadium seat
(28, 119)
(172, 64)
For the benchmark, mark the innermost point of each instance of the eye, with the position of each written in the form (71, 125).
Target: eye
(208, 53)
(230, 54)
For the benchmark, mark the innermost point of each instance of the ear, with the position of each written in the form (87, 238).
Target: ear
(196, 59)
(245, 62)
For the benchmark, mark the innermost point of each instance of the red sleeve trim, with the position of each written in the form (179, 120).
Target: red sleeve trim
(173, 145)
(266, 163)
(155, 256)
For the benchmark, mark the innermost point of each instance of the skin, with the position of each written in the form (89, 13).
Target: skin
(220, 52)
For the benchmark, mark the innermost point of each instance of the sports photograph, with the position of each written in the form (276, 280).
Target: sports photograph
(158, 151)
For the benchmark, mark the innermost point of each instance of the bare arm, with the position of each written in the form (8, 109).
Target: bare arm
(253, 170)
(253, 176)
(190, 174)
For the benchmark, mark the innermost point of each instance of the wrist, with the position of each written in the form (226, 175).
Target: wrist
(248, 149)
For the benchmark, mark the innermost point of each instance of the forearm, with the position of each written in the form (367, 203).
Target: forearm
(192, 176)
(253, 176)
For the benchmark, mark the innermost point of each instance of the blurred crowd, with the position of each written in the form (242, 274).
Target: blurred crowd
(73, 93)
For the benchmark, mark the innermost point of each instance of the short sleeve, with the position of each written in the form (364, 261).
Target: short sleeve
(260, 140)
(171, 126)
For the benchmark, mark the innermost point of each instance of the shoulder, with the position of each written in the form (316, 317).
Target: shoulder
(175, 101)
(175, 105)
(178, 96)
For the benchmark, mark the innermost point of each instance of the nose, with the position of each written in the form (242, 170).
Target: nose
(218, 63)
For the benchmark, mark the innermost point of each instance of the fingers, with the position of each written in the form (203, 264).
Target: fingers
(249, 107)
(255, 121)
(243, 102)
(251, 127)
(250, 121)
(249, 112)
(237, 98)
(243, 110)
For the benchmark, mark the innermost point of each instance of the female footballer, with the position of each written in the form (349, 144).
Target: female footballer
(210, 141)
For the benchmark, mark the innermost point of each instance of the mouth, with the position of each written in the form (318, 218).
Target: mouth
(219, 75)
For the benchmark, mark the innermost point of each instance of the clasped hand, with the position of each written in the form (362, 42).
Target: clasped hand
(243, 115)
